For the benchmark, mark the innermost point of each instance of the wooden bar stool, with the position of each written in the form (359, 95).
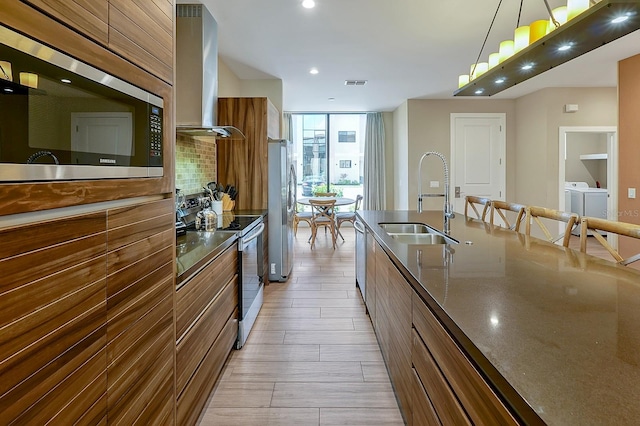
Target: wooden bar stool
(620, 228)
(534, 213)
(472, 200)
(502, 207)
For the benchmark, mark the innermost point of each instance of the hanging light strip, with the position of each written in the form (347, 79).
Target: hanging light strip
(602, 23)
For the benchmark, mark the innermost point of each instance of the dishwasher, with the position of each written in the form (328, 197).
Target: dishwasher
(361, 256)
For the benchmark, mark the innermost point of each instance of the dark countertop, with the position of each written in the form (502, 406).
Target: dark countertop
(197, 248)
(556, 331)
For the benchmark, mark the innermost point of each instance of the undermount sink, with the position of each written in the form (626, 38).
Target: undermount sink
(415, 233)
(421, 239)
(406, 228)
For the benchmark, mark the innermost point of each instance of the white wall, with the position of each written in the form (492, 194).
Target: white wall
(230, 86)
(539, 117)
(399, 186)
(429, 129)
(590, 171)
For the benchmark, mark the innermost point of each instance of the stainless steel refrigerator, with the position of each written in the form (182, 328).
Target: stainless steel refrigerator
(282, 204)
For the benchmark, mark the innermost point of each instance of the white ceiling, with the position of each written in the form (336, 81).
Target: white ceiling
(406, 49)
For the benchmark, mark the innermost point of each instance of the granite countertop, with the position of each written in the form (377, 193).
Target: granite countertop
(197, 248)
(556, 331)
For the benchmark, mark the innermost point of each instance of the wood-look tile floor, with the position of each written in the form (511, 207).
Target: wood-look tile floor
(312, 357)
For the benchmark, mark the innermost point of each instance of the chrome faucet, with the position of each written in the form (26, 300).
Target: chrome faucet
(448, 208)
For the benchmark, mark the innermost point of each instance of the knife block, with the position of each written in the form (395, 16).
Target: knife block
(227, 203)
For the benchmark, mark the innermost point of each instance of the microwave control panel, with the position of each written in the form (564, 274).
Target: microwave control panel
(155, 136)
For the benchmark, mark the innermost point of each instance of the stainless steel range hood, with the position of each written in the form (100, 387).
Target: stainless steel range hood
(197, 74)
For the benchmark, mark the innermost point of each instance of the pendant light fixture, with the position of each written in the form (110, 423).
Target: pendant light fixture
(571, 31)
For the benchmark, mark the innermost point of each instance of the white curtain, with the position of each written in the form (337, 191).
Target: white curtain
(374, 170)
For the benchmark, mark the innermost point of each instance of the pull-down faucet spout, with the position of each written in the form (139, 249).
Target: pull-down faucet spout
(447, 208)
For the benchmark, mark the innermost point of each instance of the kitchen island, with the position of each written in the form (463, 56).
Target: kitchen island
(553, 333)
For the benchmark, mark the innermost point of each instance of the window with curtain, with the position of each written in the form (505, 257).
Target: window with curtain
(329, 152)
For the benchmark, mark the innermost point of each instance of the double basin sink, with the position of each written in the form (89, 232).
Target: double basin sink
(416, 233)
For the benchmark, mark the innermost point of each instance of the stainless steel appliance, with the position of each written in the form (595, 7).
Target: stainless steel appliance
(282, 205)
(250, 275)
(64, 119)
(196, 74)
(361, 256)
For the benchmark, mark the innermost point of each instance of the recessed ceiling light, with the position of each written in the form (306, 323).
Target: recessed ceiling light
(331, 99)
(501, 80)
(527, 67)
(620, 19)
(564, 47)
(65, 80)
(313, 71)
(309, 4)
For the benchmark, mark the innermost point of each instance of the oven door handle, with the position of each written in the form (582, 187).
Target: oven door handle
(358, 226)
(255, 235)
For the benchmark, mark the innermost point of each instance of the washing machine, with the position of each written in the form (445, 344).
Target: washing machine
(587, 201)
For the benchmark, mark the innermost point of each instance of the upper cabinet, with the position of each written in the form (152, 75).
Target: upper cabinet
(90, 17)
(142, 31)
(244, 163)
(138, 30)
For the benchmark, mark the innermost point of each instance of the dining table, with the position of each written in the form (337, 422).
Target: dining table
(340, 201)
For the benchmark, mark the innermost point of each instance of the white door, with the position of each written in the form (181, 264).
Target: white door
(477, 157)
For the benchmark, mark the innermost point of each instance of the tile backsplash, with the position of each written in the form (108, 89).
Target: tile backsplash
(195, 163)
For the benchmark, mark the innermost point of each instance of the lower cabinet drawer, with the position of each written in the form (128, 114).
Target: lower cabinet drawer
(198, 340)
(438, 390)
(479, 401)
(192, 401)
(423, 411)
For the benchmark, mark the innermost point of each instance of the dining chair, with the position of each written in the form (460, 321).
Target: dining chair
(324, 194)
(472, 200)
(300, 216)
(343, 217)
(535, 213)
(621, 228)
(323, 215)
(502, 208)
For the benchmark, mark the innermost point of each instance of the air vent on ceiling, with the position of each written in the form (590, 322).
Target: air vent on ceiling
(355, 82)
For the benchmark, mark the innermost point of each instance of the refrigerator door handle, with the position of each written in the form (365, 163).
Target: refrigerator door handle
(291, 189)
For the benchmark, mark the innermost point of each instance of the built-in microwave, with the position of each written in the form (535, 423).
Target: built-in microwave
(63, 119)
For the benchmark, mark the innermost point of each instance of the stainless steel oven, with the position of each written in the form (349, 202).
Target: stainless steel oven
(251, 274)
(64, 119)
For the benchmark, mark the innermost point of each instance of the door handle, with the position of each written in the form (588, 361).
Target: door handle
(457, 192)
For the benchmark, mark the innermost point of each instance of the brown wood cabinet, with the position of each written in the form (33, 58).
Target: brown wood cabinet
(142, 32)
(244, 163)
(393, 327)
(440, 362)
(139, 30)
(206, 323)
(86, 308)
(64, 33)
(140, 287)
(90, 17)
(434, 381)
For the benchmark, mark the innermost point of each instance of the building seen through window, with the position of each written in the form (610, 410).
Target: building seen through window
(329, 153)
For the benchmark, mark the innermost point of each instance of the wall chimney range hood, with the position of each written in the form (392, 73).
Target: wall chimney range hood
(197, 74)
